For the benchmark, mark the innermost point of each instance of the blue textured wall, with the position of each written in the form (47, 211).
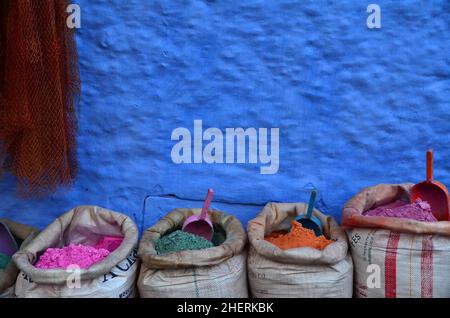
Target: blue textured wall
(355, 107)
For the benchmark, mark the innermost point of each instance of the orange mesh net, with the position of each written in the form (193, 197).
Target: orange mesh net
(39, 89)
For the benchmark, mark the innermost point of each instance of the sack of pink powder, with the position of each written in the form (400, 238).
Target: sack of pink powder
(87, 252)
(399, 249)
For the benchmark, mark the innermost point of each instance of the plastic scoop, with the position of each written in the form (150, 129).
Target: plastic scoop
(201, 225)
(434, 192)
(8, 244)
(309, 221)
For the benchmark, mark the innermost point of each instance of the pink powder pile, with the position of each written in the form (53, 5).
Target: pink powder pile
(419, 211)
(80, 255)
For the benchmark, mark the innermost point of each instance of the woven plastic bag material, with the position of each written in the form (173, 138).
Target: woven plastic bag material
(113, 277)
(217, 272)
(298, 272)
(8, 276)
(396, 257)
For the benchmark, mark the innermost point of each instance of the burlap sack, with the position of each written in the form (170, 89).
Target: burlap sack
(299, 272)
(114, 277)
(396, 257)
(8, 276)
(217, 272)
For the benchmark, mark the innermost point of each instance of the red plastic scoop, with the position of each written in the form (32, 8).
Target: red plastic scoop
(434, 192)
(201, 225)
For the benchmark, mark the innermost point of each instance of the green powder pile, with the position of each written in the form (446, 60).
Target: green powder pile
(181, 241)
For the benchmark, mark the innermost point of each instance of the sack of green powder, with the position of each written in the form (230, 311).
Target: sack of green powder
(215, 272)
(23, 235)
(396, 257)
(112, 277)
(297, 272)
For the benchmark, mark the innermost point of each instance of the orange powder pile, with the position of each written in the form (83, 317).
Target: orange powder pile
(298, 237)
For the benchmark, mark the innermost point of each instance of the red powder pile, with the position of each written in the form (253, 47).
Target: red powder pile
(419, 211)
(298, 237)
(110, 243)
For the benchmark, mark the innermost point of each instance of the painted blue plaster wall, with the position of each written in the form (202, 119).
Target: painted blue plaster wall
(355, 107)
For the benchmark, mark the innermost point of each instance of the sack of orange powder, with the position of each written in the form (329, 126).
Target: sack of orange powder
(297, 272)
(396, 257)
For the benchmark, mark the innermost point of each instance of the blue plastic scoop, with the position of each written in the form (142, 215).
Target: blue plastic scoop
(308, 221)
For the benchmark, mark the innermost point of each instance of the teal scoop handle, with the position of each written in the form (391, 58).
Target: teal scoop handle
(312, 200)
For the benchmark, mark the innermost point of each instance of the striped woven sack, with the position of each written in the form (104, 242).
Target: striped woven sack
(394, 257)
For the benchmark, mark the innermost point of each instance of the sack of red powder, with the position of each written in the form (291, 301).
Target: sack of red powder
(23, 235)
(396, 257)
(214, 272)
(300, 272)
(114, 276)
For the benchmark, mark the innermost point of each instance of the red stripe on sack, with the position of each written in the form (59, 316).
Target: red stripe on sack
(426, 267)
(390, 264)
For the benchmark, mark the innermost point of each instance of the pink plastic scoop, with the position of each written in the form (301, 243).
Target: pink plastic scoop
(201, 225)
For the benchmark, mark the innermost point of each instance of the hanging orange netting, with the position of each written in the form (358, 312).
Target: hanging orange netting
(39, 86)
